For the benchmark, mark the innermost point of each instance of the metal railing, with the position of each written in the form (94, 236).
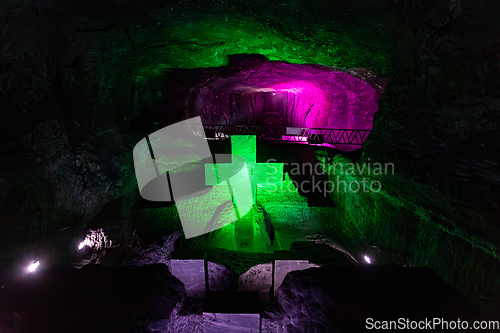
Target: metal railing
(287, 134)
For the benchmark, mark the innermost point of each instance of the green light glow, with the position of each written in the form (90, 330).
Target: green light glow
(202, 46)
(259, 173)
(248, 229)
(189, 40)
(234, 175)
(246, 147)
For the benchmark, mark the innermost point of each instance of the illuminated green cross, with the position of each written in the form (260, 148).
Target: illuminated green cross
(259, 173)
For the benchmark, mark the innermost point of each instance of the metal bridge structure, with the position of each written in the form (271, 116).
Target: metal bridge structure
(330, 136)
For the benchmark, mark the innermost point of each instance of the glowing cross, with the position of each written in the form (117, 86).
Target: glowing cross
(260, 173)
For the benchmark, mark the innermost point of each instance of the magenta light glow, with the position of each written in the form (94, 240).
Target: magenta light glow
(312, 102)
(274, 93)
(294, 138)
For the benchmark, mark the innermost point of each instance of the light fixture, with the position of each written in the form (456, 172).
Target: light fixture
(368, 260)
(33, 266)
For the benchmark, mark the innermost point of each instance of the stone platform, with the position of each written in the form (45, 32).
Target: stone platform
(190, 268)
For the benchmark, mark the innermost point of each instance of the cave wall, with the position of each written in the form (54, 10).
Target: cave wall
(83, 75)
(441, 131)
(77, 78)
(311, 96)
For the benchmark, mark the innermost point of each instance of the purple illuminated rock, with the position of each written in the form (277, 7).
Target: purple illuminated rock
(259, 279)
(220, 278)
(231, 322)
(275, 93)
(339, 299)
(192, 274)
(283, 267)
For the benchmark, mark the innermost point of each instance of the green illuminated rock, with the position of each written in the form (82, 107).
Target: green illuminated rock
(260, 173)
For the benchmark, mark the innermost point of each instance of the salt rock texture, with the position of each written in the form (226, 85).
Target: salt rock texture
(259, 279)
(340, 299)
(262, 92)
(221, 278)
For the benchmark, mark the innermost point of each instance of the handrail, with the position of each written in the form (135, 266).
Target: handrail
(281, 133)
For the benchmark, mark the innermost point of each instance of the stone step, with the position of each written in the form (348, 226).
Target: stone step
(191, 268)
(231, 322)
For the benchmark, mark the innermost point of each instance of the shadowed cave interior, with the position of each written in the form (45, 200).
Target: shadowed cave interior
(370, 130)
